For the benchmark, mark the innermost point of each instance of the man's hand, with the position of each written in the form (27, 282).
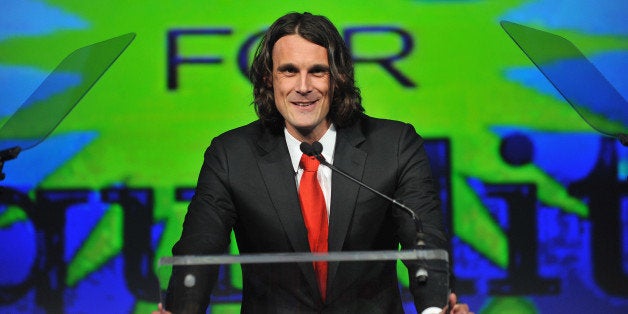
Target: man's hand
(461, 308)
(160, 310)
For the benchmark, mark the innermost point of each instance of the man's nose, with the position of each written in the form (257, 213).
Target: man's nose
(304, 85)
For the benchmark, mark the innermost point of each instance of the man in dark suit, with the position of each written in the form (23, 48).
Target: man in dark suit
(253, 182)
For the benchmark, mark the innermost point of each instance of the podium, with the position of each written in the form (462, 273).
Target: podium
(271, 266)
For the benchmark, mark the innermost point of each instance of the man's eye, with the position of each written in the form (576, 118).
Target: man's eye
(319, 73)
(289, 71)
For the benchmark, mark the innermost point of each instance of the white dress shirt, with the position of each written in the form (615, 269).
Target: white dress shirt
(323, 174)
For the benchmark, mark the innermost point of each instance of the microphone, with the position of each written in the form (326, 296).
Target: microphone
(316, 149)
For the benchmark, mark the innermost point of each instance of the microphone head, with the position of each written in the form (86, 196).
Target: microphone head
(307, 149)
(317, 148)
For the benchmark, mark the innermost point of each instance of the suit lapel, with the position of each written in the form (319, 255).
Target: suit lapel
(350, 159)
(278, 175)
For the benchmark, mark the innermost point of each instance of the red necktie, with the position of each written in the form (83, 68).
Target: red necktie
(315, 216)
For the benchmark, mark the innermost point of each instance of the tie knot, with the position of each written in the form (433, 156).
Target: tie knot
(309, 163)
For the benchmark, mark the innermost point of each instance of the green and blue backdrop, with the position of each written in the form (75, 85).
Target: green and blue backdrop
(536, 201)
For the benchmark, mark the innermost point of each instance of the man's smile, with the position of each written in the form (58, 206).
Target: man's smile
(304, 103)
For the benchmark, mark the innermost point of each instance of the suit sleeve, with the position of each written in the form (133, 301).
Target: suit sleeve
(206, 230)
(416, 189)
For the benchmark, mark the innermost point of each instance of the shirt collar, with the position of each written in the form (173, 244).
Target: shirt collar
(328, 141)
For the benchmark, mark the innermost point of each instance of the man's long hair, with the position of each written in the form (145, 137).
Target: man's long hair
(346, 102)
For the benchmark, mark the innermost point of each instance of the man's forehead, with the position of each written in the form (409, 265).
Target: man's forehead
(292, 48)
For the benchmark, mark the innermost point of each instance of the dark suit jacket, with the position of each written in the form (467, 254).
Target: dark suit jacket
(247, 184)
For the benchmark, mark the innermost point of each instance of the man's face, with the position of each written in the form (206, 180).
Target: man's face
(301, 86)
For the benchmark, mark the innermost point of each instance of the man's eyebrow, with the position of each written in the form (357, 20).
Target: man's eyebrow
(292, 67)
(286, 67)
(319, 68)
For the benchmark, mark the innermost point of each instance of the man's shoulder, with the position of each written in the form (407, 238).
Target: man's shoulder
(251, 136)
(249, 131)
(370, 125)
(238, 137)
(382, 122)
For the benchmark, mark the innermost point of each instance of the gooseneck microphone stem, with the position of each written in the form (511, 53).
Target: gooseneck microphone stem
(316, 149)
(362, 184)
